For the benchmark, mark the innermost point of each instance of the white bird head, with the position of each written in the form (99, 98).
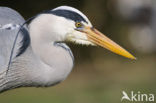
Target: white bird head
(66, 23)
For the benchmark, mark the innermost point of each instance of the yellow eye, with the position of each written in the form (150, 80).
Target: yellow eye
(78, 24)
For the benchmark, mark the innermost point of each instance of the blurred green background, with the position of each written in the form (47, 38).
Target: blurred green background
(99, 76)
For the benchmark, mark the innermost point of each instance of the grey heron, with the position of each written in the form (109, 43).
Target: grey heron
(40, 57)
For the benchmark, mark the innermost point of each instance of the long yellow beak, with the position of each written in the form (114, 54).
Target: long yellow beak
(100, 39)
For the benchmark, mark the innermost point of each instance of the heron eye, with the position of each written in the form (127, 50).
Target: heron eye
(78, 24)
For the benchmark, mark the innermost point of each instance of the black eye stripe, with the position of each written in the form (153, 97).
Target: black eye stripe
(68, 14)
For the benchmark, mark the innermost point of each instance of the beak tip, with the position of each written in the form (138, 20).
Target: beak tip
(133, 58)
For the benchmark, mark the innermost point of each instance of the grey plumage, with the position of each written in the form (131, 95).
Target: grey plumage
(28, 69)
(10, 22)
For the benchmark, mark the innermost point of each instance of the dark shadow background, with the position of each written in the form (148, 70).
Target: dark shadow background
(99, 76)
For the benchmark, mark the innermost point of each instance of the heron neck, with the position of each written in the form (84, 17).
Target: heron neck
(56, 61)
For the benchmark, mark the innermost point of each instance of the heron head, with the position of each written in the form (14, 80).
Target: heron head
(73, 26)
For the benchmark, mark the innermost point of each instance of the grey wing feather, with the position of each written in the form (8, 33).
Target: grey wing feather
(10, 22)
